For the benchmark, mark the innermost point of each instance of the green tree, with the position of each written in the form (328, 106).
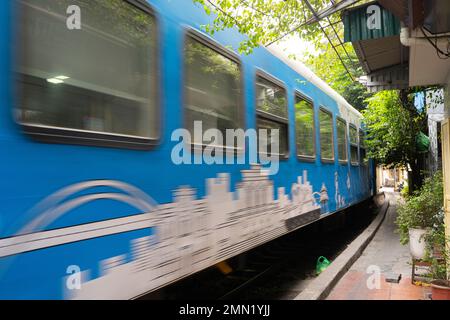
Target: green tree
(393, 124)
(327, 66)
(423, 209)
(267, 21)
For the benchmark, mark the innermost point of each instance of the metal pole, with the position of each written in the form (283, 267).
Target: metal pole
(326, 35)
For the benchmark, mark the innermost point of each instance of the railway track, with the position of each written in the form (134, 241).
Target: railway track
(279, 269)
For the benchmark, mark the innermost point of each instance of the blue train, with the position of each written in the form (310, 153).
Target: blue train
(93, 203)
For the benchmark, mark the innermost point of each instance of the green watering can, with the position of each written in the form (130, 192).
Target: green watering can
(322, 264)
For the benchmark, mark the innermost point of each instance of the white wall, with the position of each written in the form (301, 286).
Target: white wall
(447, 96)
(446, 164)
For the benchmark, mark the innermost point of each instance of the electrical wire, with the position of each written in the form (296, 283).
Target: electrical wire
(440, 53)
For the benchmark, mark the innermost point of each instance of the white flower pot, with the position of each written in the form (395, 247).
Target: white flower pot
(417, 245)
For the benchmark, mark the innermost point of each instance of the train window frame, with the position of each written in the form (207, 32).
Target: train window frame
(270, 116)
(305, 158)
(73, 136)
(354, 163)
(207, 41)
(342, 121)
(322, 159)
(361, 146)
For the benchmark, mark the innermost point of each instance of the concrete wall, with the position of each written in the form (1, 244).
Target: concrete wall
(446, 160)
(447, 96)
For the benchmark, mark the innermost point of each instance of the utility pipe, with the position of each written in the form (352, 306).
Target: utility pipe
(408, 41)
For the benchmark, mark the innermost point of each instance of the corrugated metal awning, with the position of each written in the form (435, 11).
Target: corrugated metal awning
(383, 58)
(379, 54)
(356, 23)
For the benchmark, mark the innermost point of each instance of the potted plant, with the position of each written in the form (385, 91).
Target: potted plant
(440, 289)
(419, 213)
(438, 254)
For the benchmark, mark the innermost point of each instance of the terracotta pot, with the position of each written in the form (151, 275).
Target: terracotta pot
(440, 290)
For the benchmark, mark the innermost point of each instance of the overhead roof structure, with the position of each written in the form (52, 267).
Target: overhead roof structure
(397, 8)
(334, 7)
(410, 49)
(384, 60)
(381, 54)
(391, 58)
(317, 16)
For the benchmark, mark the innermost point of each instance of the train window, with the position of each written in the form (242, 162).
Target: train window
(93, 84)
(326, 135)
(304, 127)
(353, 145)
(212, 88)
(362, 147)
(342, 139)
(271, 104)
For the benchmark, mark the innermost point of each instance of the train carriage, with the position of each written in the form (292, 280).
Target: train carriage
(93, 204)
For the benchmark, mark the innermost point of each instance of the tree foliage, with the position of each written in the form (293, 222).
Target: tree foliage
(327, 66)
(393, 125)
(423, 209)
(267, 21)
(262, 21)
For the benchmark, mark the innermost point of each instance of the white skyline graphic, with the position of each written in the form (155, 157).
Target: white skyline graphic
(192, 234)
